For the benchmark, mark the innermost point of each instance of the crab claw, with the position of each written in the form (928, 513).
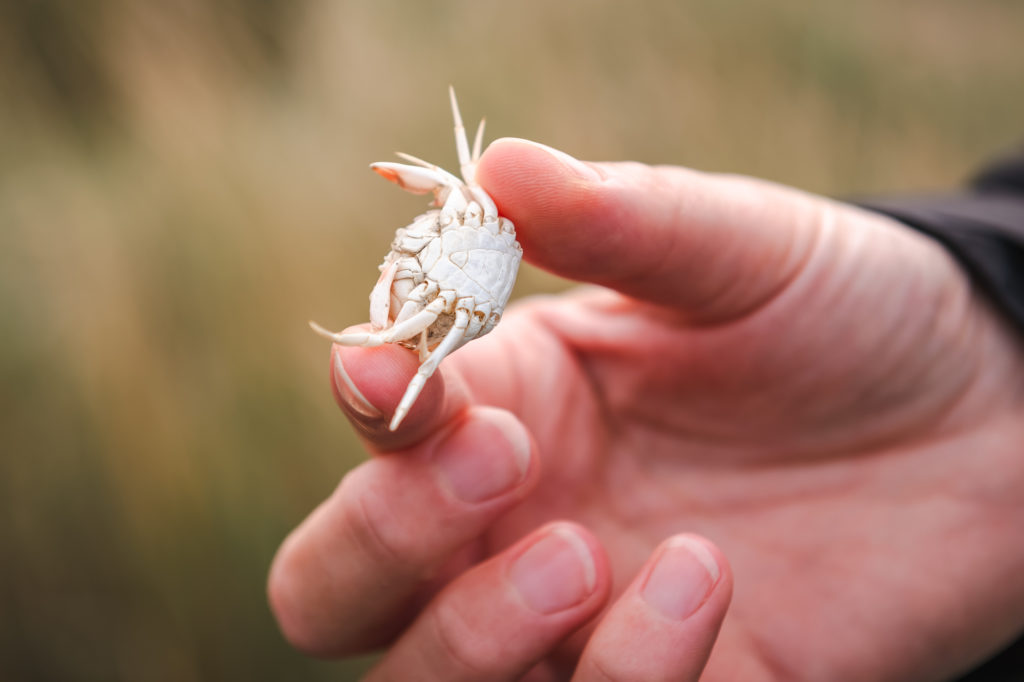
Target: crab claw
(415, 179)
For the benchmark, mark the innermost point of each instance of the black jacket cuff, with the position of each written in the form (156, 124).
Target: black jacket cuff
(983, 228)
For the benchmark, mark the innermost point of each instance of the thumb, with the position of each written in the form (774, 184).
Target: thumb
(714, 246)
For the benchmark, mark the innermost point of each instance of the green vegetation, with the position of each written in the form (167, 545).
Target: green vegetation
(183, 186)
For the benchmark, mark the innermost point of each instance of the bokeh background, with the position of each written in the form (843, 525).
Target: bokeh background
(183, 184)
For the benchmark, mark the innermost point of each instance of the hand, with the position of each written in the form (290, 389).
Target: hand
(811, 390)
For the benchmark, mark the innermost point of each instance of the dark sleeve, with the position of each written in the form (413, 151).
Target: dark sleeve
(984, 228)
(1008, 666)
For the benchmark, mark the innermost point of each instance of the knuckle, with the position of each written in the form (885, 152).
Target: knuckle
(280, 595)
(459, 649)
(285, 595)
(600, 672)
(375, 531)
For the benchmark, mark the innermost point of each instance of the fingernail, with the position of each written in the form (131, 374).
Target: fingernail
(555, 573)
(350, 394)
(681, 579)
(577, 167)
(485, 456)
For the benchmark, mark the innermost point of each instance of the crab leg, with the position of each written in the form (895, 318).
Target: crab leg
(380, 297)
(455, 337)
(411, 327)
(479, 140)
(467, 162)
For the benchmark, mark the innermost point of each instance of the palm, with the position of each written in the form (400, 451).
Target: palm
(778, 435)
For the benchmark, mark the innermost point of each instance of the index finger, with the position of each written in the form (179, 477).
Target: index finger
(368, 384)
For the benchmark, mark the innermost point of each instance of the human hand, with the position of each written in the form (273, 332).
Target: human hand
(814, 388)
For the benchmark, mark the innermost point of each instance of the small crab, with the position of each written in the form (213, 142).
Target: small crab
(448, 275)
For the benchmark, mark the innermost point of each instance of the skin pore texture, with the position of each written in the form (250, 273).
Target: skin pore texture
(811, 399)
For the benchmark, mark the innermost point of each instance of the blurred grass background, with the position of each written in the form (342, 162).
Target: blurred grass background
(184, 184)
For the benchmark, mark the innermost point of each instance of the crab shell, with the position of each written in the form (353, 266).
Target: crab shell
(465, 258)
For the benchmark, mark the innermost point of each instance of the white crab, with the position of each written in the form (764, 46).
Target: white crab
(448, 275)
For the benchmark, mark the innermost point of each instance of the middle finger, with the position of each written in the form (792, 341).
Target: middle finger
(350, 576)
